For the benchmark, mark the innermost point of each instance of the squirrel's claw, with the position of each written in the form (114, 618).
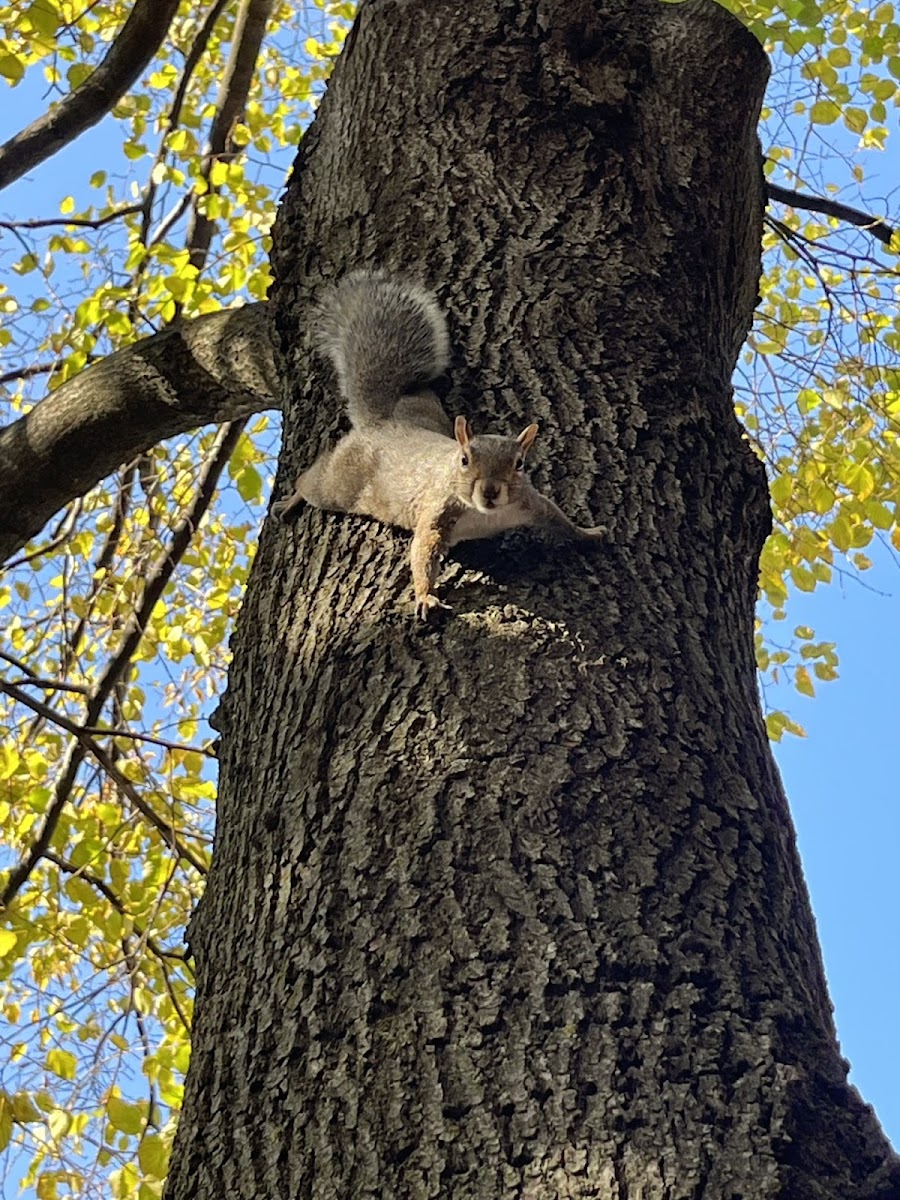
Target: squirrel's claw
(424, 605)
(281, 510)
(597, 533)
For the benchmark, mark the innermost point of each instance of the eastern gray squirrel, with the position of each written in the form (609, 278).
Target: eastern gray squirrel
(403, 461)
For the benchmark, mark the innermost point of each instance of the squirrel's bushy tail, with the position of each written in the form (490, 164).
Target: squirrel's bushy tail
(385, 336)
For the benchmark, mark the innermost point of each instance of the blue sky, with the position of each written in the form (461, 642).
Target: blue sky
(842, 784)
(841, 781)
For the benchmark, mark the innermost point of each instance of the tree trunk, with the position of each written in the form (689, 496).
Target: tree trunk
(509, 906)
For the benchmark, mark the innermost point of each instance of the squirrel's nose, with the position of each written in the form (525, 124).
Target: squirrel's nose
(490, 491)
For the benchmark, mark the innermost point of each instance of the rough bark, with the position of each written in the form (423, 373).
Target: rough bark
(510, 906)
(214, 369)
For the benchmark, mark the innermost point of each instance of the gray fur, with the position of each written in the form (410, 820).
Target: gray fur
(385, 336)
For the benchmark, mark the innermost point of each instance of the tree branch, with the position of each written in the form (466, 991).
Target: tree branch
(110, 896)
(136, 44)
(231, 102)
(85, 743)
(833, 208)
(86, 222)
(29, 372)
(216, 368)
(62, 534)
(195, 54)
(158, 577)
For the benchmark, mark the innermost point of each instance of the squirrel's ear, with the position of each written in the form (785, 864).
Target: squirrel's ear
(526, 437)
(462, 431)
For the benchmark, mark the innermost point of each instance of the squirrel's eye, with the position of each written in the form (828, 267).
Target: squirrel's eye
(520, 464)
(464, 460)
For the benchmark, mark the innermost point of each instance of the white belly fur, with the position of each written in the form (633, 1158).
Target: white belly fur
(474, 524)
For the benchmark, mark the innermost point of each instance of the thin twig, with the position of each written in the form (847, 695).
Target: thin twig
(159, 576)
(833, 208)
(34, 680)
(106, 891)
(29, 372)
(57, 540)
(87, 222)
(146, 737)
(92, 746)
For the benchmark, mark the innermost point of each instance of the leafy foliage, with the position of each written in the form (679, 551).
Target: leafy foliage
(106, 775)
(818, 385)
(95, 984)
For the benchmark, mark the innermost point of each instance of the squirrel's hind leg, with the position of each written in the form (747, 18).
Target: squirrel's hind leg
(333, 482)
(545, 514)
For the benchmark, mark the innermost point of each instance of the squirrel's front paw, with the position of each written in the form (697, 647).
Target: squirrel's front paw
(597, 533)
(425, 604)
(282, 509)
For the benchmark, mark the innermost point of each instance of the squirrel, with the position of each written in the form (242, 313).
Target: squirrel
(403, 461)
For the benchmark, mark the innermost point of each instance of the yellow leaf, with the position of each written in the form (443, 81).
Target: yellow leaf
(782, 488)
(6, 1121)
(8, 942)
(856, 119)
(11, 68)
(153, 1156)
(123, 1116)
(824, 112)
(59, 1122)
(803, 683)
(61, 1063)
(803, 578)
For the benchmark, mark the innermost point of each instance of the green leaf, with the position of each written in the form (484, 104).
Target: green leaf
(11, 68)
(880, 516)
(821, 497)
(6, 1121)
(44, 17)
(860, 481)
(153, 1156)
(781, 489)
(803, 683)
(61, 1063)
(841, 533)
(803, 578)
(824, 112)
(856, 119)
(249, 483)
(127, 1118)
